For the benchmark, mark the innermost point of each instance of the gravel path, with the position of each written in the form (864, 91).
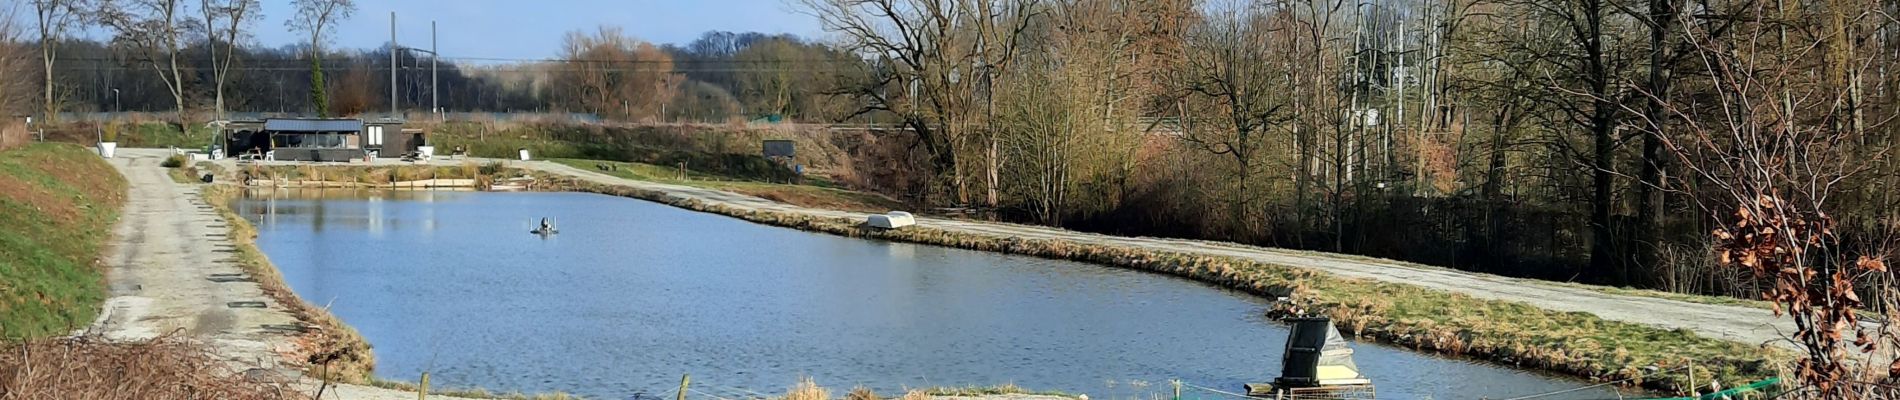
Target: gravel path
(171, 270)
(1736, 323)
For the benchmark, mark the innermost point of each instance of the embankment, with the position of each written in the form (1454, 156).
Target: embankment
(332, 350)
(1576, 343)
(57, 206)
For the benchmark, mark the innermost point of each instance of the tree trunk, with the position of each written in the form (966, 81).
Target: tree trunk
(1602, 243)
(47, 55)
(1649, 188)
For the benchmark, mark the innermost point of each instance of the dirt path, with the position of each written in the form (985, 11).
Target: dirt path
(1735, 323)
(170, 270)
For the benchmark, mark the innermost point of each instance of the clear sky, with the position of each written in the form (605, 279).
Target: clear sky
(533, 28)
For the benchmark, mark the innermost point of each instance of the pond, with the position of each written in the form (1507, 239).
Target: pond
(632, 294)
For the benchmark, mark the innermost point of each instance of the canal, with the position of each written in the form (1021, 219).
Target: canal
(632, 294)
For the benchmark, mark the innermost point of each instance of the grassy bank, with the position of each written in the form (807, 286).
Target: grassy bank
(363, 175)
(811, 192)
(331, 349)
(133, 134)
(1580, 344)
(58, 203)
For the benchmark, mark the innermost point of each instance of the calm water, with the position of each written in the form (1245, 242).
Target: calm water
(633, 294)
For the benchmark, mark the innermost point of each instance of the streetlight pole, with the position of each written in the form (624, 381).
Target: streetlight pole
(435, 97)
(392, 66)
(115, 101)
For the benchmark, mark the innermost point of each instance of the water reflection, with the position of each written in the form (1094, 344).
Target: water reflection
(632, 294)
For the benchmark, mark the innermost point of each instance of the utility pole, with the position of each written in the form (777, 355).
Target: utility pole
(435, 96)
(392, 65)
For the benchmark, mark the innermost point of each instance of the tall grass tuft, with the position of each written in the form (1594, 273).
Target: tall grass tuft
(175, 161)
(806, 389)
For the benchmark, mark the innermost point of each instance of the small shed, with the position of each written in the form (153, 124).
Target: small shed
(388, 139)
(298, 139)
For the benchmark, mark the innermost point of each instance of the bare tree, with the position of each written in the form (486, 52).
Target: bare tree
(151, 28)
(608, 72)
(1067, 124)
(15, 68)
(1231, 77)
(55, 18)
(312, 18)
(1772, 165)
(935, 56)
(224, 22)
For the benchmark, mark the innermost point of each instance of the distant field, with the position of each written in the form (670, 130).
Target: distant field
(57, 206)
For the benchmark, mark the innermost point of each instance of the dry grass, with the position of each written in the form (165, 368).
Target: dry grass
(91, 368)
(806, 389)
(1579, 344)
(309, 175)
(861, 393)
(980, 391)
(472, 393)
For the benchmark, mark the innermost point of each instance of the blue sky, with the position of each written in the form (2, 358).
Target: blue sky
(533, 28)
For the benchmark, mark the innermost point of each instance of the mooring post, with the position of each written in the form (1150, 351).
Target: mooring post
(423, 394)
(684, 379)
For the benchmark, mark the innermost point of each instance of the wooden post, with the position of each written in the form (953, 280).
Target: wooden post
(684, 379)
(423, 394)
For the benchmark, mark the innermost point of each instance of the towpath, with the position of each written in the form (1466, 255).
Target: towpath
(171, 270)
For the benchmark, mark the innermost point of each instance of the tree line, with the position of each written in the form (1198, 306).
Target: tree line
(197, 60)
(1530, 138)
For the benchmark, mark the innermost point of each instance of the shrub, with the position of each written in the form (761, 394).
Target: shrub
(175, 161)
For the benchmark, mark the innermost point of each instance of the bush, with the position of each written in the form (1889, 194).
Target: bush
(175, 161)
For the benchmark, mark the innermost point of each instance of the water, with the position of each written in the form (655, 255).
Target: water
(632, 294)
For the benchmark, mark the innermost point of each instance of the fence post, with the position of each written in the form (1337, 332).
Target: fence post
(424, 393)
(684, 379)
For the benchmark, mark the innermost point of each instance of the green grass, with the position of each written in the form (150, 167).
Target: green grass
(58, 203)
(815, 193)
(1576, 343)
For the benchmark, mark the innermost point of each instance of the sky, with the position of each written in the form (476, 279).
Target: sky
(532, 29)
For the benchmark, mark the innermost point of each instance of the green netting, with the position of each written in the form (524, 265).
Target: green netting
(1758, 385)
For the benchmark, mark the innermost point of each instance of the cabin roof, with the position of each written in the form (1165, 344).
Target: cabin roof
(313, 125)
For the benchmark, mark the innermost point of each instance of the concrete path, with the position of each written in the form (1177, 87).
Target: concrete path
(1735, 323)
(171, 270)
